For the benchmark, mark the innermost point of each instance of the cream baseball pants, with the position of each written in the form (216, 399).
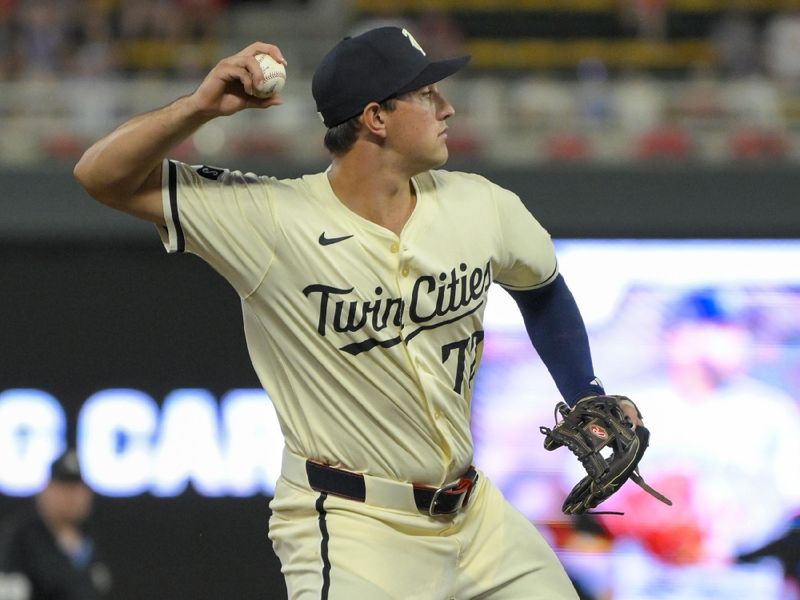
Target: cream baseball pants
(334, 548)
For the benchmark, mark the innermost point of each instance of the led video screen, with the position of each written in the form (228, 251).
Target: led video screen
(703, 335)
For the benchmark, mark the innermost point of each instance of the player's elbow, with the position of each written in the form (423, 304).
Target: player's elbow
(95, 185)
(137, 194)
(85, 175)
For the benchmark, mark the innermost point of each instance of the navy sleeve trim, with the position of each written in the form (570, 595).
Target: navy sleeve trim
(550, 278)
(180, 241)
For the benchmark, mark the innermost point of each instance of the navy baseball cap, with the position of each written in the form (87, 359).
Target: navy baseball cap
(372, 67)
(66, 468)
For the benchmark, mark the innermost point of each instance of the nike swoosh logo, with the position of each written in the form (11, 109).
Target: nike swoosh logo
(326, 241)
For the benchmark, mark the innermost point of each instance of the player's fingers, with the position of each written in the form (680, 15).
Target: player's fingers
(253, 68)
(237, 75)
(244, 69)
(631, 412)
(264, 48)
(254, 72)
(244, 74)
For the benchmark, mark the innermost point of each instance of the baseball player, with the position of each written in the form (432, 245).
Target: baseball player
(363, 290)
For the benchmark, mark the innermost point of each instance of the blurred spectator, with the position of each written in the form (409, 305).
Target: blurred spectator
(201, 30)
(735, 39)
(760, 131)
(755, 101)
(6, 13)
(47, 554)
(706, 395)
(595, 101)
(201, 18)
(646, 18)
(639, 102)
(149, 32)
(782, 48)
(700, 99)
(539, 101)
(93, 50)
(389, 19)
(39, 38)
(150, 19)
(439, 33)
(93, 64)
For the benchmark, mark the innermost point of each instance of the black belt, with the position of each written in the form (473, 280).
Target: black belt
(434, 501)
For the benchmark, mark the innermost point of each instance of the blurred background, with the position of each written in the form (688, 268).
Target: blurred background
(657, 140)
(600, 81)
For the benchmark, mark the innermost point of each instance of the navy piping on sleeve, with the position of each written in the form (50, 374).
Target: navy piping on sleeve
(173, 207)
(550, 278)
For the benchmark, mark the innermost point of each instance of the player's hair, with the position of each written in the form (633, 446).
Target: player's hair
(340, 138)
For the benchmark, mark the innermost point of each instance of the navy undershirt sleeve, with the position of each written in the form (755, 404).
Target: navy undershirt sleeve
(558, 334)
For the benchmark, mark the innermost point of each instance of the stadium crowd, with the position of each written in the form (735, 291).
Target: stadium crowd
(735, 95)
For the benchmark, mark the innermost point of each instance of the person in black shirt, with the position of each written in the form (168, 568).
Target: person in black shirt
(46, 553)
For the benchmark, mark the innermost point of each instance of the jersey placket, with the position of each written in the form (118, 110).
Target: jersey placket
(396, 253)
(402, 251)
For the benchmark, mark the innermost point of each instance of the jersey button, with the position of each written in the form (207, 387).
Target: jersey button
(405, 271)
(395, 248)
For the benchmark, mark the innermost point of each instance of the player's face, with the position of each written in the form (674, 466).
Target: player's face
(417, 129)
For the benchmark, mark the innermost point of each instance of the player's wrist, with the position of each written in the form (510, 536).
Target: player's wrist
(194, 110)
(590, 390)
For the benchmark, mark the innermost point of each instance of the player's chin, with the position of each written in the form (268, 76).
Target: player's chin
(440, 157)
(432, 159)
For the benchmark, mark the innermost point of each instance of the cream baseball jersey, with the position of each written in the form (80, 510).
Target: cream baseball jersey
(366, 342)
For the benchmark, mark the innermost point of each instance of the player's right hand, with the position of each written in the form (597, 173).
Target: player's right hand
(228, 87)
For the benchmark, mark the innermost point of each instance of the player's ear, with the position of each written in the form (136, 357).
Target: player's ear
(373, 121)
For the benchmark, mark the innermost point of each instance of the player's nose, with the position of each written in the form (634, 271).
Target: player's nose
(446, 110)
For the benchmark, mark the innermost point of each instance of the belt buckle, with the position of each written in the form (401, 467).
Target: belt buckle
(434, 501)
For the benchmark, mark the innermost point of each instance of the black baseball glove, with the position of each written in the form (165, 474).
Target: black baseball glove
(608, 445)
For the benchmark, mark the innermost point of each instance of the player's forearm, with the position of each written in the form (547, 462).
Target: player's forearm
(120, 165)
(558, 334)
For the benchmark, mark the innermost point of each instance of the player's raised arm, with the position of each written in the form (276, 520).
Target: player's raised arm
(123, 169)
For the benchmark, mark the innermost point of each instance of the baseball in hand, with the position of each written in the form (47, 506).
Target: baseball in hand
(274, 77)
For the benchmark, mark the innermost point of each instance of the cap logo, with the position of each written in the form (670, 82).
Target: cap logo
(414, 42)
